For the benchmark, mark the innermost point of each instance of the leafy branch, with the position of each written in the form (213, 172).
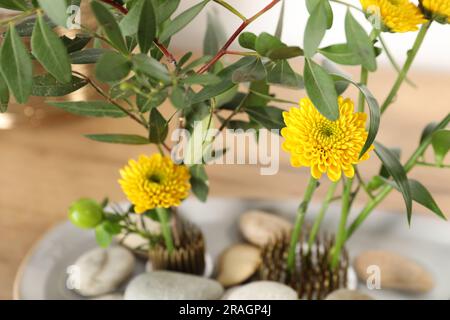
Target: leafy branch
(233, 37)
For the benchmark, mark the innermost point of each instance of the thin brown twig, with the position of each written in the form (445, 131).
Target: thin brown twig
(103, 94)
(233, 37)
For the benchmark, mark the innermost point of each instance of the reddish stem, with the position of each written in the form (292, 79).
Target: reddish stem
(233, 37)
(116, 5)
(160, 46)
(165, 52)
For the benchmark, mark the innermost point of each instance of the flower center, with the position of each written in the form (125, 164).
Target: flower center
(155, 178)
(327, 131)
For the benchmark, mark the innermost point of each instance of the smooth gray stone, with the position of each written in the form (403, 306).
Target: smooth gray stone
(262, 290)
(101, 271)
(167, 285)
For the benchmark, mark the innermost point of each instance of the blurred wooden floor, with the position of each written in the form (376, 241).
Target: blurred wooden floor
(46, 167)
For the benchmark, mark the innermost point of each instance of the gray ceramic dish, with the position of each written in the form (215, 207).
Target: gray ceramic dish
(44, 272)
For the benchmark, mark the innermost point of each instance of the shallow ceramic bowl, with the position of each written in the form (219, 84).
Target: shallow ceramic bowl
(43, 273)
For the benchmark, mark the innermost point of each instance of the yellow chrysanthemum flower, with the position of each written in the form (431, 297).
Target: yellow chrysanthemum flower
(395, 15)
(437, 9)
(154, 182)
(326, 146)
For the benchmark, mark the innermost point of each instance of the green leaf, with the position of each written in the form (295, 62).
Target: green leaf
(247, 40)
(129, 24)
(311, 5)
(87, 56)
(200, 189)
(119, 138)
(226, 84)
(329, 13)
(359, 42)
(254, 98)
(268, 117)
(89, 108)
(158, 127)
(147, 26)
(166, 9)
(421, 195)
(315, 29)
(112, 66)
(16, 66)
(184, 59)
(145, 104)
(285, 53)
(429, 129)
(281, 73)
(76, 44)
(56, 10)
(19, 5)
(47, 86)
(374, 110)
(151, 67)
(199, 182)
(112, 227)
(398, 173)
(441, 144)
(197, 62)
(26, 27)
(279, 28)
(214, 37)
(202, 79)
(182, 20)
(341, 54)
(180, 98)
(4, 95)
(254, 71)
(109, 26)
(383, 171)
(102, 236)
(320, 88)
(340, 85)
(50, 51)
(266, 42)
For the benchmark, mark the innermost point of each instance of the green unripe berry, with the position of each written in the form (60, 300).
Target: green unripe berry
(85, 213)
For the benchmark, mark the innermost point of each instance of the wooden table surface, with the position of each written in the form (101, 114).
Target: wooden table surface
(46, 166)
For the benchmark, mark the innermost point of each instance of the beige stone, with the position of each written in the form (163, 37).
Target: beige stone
(259, 227)
(397, 272)
(238, 263)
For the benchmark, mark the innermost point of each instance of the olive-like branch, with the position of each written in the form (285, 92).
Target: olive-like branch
(233, 37)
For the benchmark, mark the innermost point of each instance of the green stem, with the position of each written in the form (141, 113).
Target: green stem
(321, 215)
(230, 8)
(434, 165)
(363, 80)
(347, 5)
(163, 215)
(301, 212)
(412, 161)
(404, 72)
(340, 237)
(364, 77)
(391, 59)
